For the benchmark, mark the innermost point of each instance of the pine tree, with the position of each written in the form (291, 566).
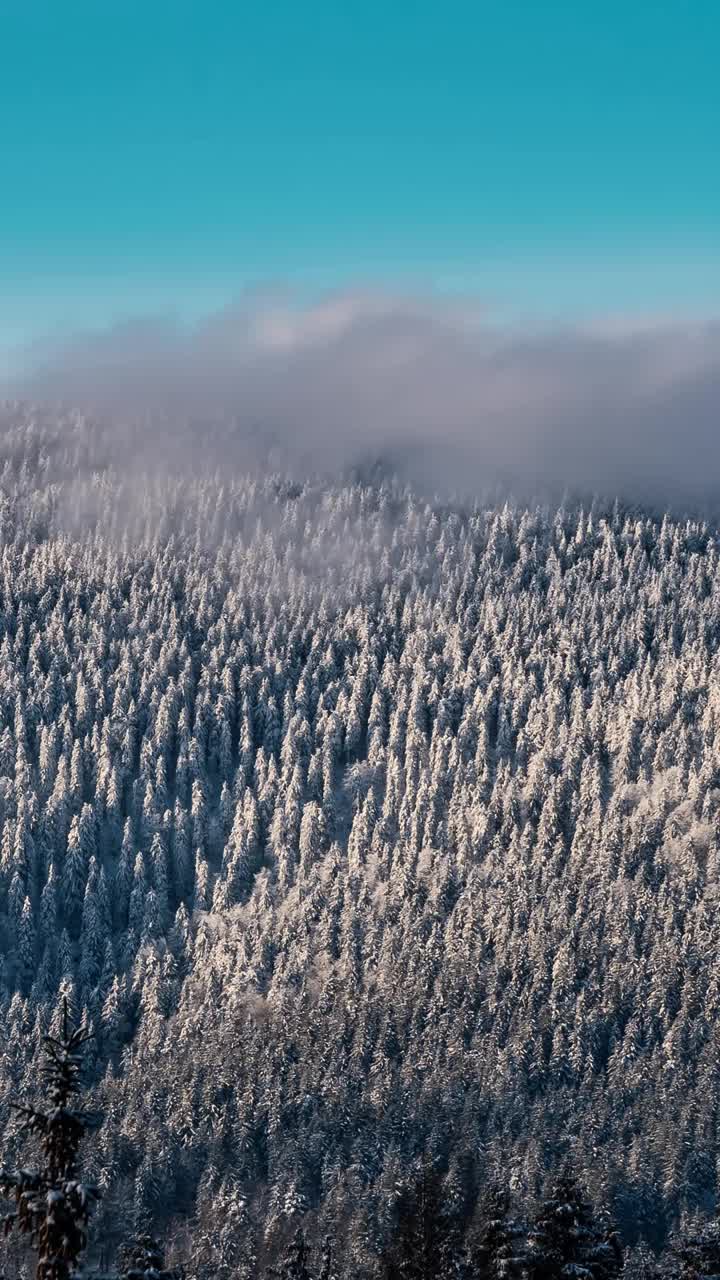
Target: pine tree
(695, 1255)
(566, 1241)
(427, 1241)
(143, 1259)
(327, 1260)
(640, 1264)
(294, 1263)
(495, 1248)
(52, 1206)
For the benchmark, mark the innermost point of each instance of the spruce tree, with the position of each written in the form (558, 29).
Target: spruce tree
(566, 1241)
(640, 1263)
(52, 1205)
(427, 1241)
(495, 1246)
(294, 1263)
(327, 1260)
(143, 1259)
(695, 1254)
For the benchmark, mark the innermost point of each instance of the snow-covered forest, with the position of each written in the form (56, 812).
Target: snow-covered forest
(363, 830)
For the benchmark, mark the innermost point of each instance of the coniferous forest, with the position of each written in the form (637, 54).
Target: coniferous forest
(374, 840)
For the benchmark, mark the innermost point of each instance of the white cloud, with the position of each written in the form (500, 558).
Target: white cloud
(620, 406)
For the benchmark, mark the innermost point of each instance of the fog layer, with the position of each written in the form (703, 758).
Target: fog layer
(435, 386)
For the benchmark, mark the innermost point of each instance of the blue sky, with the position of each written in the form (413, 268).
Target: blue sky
(553, 157)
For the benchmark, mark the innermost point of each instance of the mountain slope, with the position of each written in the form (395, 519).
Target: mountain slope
(359, 829)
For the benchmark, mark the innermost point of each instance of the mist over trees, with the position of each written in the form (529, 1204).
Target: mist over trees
(367, 834)
(446, 386)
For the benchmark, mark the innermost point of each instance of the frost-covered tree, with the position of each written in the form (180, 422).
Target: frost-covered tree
(53, 1205)
(295, 1262)
(495, 1245)
(366, 827)
(143, 1258)
(565, 1239)
(426, 1235)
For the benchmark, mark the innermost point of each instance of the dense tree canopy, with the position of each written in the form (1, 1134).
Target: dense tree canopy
(362, 830)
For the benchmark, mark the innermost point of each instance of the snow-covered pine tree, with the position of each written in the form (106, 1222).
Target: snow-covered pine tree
(694, 1255)
(641, 1264)
(495, 1245)
(52, 1205)
(327, 1260)
(566, 1241)
(293, 1265)
(144, 1259)
(427, 1240)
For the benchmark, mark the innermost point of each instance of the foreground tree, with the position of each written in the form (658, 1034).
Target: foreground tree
(52, 1205)
(566, 1241)
(327, 1260)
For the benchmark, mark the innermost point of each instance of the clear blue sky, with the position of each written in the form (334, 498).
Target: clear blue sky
(552, 153)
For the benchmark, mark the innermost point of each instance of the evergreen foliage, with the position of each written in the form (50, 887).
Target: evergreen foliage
(143, 1259)
(495, 1246)
(362, 828)
(694, 1254)
(426, 1238)
(52, 1205)
(565, 1240)
(294, 1263)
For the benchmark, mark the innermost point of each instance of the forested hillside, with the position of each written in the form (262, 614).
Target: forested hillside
(363, 830)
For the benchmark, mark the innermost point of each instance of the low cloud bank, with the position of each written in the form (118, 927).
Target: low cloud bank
(434, 386)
